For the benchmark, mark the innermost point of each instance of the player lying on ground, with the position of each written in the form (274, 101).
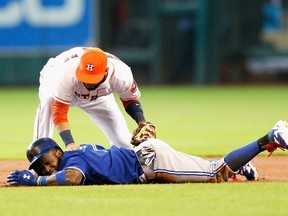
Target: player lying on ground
(151, 161)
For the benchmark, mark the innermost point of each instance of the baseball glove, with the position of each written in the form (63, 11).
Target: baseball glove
(145, 130)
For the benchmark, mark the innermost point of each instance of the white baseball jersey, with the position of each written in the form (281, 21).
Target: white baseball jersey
(58, 81)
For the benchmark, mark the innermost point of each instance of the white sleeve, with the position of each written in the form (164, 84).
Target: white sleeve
(64, 87)
(122, 81)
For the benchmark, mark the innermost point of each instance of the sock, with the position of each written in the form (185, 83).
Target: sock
(239, 157)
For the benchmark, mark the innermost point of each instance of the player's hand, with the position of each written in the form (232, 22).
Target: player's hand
(145, 130)
(72, 147)
(23, 177)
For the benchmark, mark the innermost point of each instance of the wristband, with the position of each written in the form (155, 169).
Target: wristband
(61, 177)
(66, 137)
(41, 180)
(135, 110)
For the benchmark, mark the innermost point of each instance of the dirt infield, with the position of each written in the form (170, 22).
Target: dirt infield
(270, 169)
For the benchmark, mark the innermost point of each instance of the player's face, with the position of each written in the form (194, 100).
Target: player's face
(93, 86)
(49, 163)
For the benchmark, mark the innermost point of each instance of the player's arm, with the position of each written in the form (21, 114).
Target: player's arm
(129, 94)
(63, 177)
(134, 109)
(145, 129)
(60, 120)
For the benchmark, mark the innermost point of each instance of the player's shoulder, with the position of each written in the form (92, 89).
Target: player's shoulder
(95, 147)
(119, 71)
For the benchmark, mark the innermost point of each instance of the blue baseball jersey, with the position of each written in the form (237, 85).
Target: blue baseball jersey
(103, 166)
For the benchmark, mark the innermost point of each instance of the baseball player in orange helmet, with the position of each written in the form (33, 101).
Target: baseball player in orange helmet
(87, 77)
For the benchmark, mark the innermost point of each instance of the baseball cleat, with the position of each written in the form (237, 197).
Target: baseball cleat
(278, 137)
(249, 171)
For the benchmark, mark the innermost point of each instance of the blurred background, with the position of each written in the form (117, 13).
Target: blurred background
(197, 42)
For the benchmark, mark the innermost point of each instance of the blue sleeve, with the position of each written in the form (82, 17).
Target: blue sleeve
(73, 161)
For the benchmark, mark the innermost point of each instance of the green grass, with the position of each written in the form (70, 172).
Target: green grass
(204, 121)
(264, 199)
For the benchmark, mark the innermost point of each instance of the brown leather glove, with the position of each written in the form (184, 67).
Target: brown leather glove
(145, 130)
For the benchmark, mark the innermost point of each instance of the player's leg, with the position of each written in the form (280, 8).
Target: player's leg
(241, 156)
(162, 163)
(105, 113)
(43, 123)
(276, 138)
(170, 165)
